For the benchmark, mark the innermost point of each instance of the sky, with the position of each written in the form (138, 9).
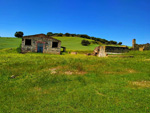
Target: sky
(118, 20)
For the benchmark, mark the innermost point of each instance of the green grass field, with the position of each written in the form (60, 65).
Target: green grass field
(74, 83)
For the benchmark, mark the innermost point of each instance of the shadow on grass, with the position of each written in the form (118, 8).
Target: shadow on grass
(18, 49)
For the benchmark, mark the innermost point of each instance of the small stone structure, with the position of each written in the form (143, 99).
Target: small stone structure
(73, 53)
(133, 43)
(140, 47)
(40, 43)
(102, 51)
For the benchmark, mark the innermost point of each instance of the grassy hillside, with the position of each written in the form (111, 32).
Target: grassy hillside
(71, 43)
(74, 83)
(74, 43)
(9, 42)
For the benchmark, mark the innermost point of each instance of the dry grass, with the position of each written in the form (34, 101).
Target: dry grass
(143, 84)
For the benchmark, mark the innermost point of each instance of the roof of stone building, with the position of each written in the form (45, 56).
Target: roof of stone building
(41, 36)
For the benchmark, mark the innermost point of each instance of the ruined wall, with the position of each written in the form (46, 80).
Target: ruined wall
(117, 49)
(102, 51)
(140, 46)
(47, 45)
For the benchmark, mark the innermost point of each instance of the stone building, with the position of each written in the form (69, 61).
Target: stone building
(40, 43)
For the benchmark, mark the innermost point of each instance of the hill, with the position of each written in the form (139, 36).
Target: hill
(74, 43)
(9, 42)
(71, 43)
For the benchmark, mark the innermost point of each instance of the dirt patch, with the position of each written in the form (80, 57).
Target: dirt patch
(144, 84)
(131, 71)
(67, 72)
(75, 72)
(147, 60)
(53, 70)
(121, 71)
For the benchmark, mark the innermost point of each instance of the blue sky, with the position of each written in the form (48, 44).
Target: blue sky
(118, 20)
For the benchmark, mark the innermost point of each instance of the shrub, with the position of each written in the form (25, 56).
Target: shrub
(85, 42)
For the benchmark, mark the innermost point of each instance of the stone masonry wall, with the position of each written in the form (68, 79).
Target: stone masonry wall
(47, 45)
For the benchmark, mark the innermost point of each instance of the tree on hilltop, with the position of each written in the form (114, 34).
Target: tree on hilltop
(19, 34)
(67, 34)
(120, 43)
(60, 34)
(50, 34)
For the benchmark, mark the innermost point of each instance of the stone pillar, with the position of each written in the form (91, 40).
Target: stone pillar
(133, 43)
(102, 52)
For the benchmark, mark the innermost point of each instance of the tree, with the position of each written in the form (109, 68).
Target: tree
(67, 34)
(85, 36)
(55, 34)
(19, 34)
(85, 42)
(112, 42)
(73, 35)
(50, 34)
(59, 34)
(120, 43)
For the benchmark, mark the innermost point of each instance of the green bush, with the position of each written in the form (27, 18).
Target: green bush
(85, 42)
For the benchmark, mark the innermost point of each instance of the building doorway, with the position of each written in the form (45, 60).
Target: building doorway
(40, 47)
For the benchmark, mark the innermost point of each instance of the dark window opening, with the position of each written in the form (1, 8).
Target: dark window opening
(55, 45)
(28, 42)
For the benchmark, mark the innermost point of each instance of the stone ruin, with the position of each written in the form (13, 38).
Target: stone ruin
(140, 47)
(103, 51)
